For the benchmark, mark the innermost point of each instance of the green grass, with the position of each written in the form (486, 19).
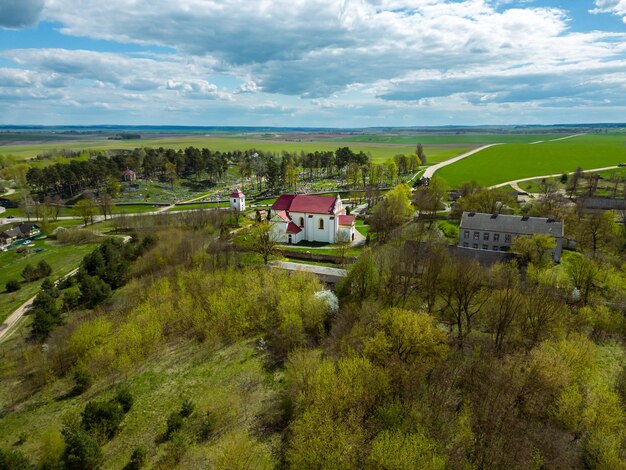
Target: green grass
(379, 152)
(515, 161)
(63, 259)
(462, 139)
(325, 251)
(450, 230)
(134, 208)
(362, 228)
(231, 383)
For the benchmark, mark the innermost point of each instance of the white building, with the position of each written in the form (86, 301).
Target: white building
(237, 200)
(298, 217)
(496, 232)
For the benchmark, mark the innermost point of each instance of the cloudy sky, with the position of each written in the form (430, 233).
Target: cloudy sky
(341, 63)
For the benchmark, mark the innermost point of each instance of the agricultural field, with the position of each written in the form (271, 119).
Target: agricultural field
(515, 161)
(62, 259)
(380, 151)
(452, 139)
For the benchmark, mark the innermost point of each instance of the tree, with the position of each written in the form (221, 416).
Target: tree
(595, 230)
(462, 290)
(264, 240)
(102, 418)
(86, 209)
(343, 241)
(14, 460)
(106, 204)
(170, 173)
(391, 212)
(13, 285)
(419, 150)
(93, 290)
(584, 273)
(535, 248)
(29, 273)
(430, 199)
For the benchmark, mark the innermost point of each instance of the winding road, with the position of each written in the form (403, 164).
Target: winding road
(430, 171)
(515, 183)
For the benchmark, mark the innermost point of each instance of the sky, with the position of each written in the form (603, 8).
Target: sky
(312, 63)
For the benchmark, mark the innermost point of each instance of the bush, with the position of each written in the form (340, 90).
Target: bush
(13, 285)
(125, 399)
(174, 423)
(14, 460)
(102, 418)
(82, 381)
(138, 459)
(29, 273)
(43, 269)
(76, 235)
(207, 427)
(187, 408)
(81, 450)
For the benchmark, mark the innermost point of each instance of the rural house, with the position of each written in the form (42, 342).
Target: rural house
(23, 230)
(27, 229)
(496, 232)
(298, 217)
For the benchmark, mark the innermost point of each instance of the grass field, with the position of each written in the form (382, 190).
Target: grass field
(379, 151)
(63, 259)
(461, 139)
(515, 161)
(199, 205)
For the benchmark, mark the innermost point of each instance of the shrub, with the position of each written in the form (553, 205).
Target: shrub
(82, 381)
(187, 408)
(207, 426)
(138, 459)
(43, 269)
(14, 460)
(174, 423)
(29, 273)
(76, 235)
(81, 450)
(13, 285)
(125, 399)
(102, 418)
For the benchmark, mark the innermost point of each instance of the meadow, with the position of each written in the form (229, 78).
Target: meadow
(515, 161)
(62, 259)
(380, 151)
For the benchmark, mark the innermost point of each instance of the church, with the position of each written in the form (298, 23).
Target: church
(301, 217)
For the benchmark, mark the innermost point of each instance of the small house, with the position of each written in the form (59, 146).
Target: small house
(238, 200)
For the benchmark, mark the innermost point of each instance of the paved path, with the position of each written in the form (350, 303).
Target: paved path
(515, 183)
(556, 140)
(324, 273)
(9, 192)
(430, 171)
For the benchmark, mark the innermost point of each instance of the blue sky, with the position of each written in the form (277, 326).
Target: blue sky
(339, 63)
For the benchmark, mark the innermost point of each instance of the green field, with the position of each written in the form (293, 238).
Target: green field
(379, 152)
(62, 258)
(515, 161)
(199, 205)
(460, 139)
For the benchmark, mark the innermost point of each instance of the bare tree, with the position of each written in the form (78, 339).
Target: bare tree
(264, 240)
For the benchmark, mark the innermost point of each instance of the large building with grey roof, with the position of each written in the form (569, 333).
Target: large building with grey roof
(496, 232)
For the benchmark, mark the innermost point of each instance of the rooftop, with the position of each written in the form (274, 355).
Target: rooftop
(305, 204)
(511, 224)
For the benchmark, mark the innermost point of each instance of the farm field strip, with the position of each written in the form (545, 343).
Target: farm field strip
(513, 162)
(379, 152)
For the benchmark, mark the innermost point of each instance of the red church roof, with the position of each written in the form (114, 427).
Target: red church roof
(346, 219)
(293, 228)
(283, 215)
(305, 204)
(237, 193)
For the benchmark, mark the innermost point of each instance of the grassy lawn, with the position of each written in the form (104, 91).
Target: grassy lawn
(134, 208)
(63, 259)
(331, 250)
(231, 383)
(515, 161)
(362, 228)
(449, 229)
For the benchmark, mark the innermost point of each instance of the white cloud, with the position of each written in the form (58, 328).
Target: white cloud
(617, 7)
